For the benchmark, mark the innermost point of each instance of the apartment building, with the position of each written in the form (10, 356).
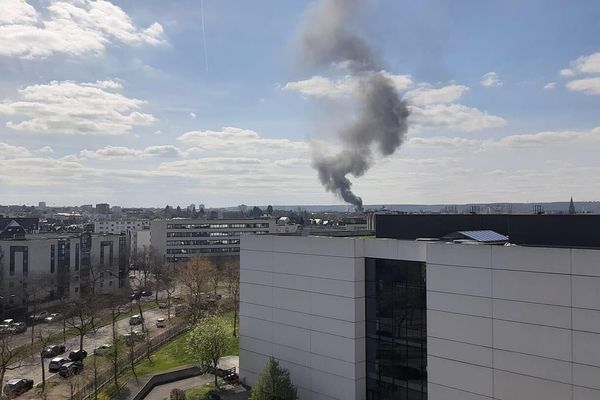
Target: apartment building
(121, 225)
(181, 239)
(381, 319)
(44, 268)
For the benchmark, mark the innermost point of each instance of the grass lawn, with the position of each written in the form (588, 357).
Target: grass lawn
(199, 393)
(171, 355)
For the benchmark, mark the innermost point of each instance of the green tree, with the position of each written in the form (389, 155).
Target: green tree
(256, 212)
(207, 342)
(270, 210)
(274, 383)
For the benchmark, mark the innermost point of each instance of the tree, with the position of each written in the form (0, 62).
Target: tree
(116, 311)
(44, 340)
(9, 358)
(274, 383)
(256, 212)
(194, 278)
(270, 210)
(169, 284)
(231, 273)
(80, 316)
(207, 342)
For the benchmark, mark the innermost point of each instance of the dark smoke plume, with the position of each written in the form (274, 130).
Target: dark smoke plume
(382, 117)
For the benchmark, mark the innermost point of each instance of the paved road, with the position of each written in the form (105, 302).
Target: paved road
(31, 367)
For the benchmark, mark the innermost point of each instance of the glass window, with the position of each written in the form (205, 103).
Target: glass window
(396, 330)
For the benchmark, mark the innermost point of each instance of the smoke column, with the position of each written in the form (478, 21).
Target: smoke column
(382, 115)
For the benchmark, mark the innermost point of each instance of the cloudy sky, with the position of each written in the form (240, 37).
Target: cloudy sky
(128, 102)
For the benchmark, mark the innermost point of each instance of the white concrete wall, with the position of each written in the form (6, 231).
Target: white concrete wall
(503, 323)
(513, 323)
(302, 302)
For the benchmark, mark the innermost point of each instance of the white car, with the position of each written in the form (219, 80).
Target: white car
(52, 317)
(161, 323)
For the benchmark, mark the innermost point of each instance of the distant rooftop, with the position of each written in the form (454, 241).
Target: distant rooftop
(577, 231)
(481, 236)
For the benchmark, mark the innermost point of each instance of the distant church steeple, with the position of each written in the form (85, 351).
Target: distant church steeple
(572, 207)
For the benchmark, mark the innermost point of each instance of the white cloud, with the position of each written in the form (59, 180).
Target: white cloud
(8, 151)
(589, 64)
(127, 153)
(72, 27)
(491, 79)
(453, 116)
(17, 12)
(320, 86)
(231, 140)
(46, 150)
(193, 115)
(74, 109)
(567, 72)
(586, 85)
(430, 107)
(426, 95)
(541, 166)
(550, 86)
(511, 142)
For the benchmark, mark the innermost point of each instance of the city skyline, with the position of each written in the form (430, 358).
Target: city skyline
(118, 103)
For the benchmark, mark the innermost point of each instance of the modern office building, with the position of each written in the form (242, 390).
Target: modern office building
(45, 268)
(180, 239)
(383, 319)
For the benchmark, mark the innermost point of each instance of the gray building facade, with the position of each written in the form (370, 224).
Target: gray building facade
(392, 319)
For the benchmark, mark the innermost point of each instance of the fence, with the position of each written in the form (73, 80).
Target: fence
(104, 377)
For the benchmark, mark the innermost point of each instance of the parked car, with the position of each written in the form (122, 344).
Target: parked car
(70, 369)
(135, 295)
(135, 319)
(161, 323)
(53, 351)
(39, 316)
(102, 349)
(147, 293)
(17, 327)
(52, 317)
(6, 324)
(162, 305)
(16, 387)
(56, 363)
(78, 355)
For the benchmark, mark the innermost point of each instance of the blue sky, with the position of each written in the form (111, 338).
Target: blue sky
(112, 102)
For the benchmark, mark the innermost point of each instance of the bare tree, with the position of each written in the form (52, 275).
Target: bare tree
(169, 286)
(80, 316)
(44, 340)
(194, 278)
(158, 268)
(34, 291)
(231, 274)
(9, 358)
